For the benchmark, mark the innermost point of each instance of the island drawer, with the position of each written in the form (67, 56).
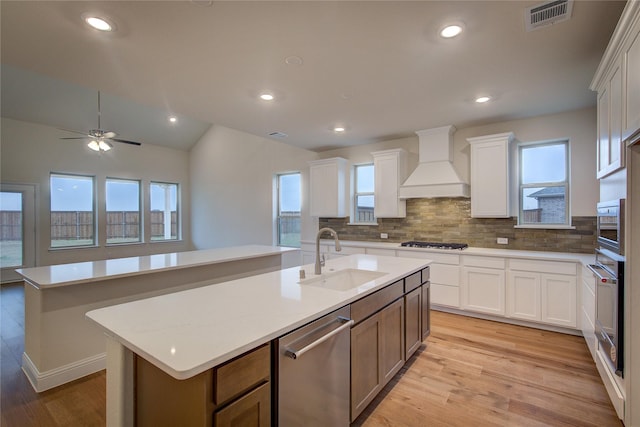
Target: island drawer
(426, 274)
(369, 305)
(412, 282)
(241, 374)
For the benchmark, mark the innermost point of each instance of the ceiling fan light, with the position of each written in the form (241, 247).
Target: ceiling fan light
(104, 145)
(93, 144)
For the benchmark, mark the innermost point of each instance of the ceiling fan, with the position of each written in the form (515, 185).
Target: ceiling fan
(99, 139)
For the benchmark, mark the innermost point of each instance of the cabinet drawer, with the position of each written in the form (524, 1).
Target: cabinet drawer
(434, 256)
(426, 274)
(241, 374)
(253, 410)
(365, 307)
(483, 261)
(539, 266)
(411, 282)
(445, 274)
(445, 295)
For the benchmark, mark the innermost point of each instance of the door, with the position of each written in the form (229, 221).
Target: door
(17, 229)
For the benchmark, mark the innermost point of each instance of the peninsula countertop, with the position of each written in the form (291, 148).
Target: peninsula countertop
(91, 271)
(188, 332)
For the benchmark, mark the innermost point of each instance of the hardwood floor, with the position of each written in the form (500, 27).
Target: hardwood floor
(471, 373)
(475, 372)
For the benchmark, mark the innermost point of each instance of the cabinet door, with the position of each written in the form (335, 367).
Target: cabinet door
(633, 81)
(483, 290)
(425, 316)
(588, 313)
(391, 339)
(388, 167)
(366, 375)
(610, 126)
(603, 132)
(523, 295)
(490, 176)
(327, 188)
(412, 324)
(559, 300)
(251, 410)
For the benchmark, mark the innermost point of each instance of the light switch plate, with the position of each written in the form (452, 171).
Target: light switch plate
(384, 235)
(503, 241)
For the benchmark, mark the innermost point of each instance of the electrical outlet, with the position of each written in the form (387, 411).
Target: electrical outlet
(384, 235)
(503, 241)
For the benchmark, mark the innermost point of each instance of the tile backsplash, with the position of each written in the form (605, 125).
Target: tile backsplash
(449, 220)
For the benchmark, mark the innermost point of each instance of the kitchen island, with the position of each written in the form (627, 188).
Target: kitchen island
(61, 345)
(186, 334)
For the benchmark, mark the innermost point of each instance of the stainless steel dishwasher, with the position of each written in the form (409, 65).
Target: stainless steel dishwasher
(314, 372)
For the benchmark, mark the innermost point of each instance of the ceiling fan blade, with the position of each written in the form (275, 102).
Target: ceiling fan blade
(125, 141)
(109, 134)
(76, 137)
(74, 131)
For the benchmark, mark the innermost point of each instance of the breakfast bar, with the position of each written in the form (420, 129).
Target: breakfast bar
(61, 345)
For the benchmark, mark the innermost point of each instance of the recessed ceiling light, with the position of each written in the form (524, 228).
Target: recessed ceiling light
(339, 129)
(98, 23)
(173, 119)
(451, 31)
(483, 99)
(293, 60)
(266, 97)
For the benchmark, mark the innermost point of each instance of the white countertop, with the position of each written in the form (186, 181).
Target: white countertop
(90, 271)
(506, 253)
(188, 332)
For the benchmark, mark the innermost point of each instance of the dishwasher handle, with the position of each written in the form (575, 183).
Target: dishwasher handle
(346, 323)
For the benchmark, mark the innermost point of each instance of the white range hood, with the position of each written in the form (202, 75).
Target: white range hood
(435, 175)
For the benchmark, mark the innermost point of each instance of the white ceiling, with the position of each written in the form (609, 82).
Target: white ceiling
(378, 68)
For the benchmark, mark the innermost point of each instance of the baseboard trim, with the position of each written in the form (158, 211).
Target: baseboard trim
(41, 381)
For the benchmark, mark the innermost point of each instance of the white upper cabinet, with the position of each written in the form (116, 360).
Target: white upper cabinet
(390, 170)
(490, 175)
(610, 150)
(328, 188)
(617, 82)
(632, 73)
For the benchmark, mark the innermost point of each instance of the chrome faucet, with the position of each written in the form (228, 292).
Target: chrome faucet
(320, 264)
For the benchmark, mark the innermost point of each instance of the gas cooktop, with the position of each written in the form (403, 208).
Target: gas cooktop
(434, 245)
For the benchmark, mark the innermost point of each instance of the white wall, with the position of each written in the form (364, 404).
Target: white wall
(30, 152)
(232, 176)
(578, 126)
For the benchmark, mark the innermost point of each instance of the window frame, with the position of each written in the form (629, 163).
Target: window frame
(546, 184)
(140, 212)
(178, 213)
(354, 205)
(94, 210)
(278, 211)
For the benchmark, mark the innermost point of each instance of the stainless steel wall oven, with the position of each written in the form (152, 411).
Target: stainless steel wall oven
(610, 225)
(609, 271)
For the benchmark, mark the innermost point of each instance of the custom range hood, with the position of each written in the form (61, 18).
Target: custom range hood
(435, 175)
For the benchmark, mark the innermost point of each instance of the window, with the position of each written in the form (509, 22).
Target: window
(123, 211)
(72, 210)
(288, 216)
(544, 183)
(363, 198)
(164, 211)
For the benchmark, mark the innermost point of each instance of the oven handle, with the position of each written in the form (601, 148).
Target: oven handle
(604, 279)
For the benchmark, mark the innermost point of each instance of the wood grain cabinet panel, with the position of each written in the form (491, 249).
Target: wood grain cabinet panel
(251, 410)
(413, 324)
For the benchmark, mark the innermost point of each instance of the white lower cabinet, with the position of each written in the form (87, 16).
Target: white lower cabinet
(559, 300)
(542, 291)
(483, 284)
(444, 276)
(523, 296)
(483, 290)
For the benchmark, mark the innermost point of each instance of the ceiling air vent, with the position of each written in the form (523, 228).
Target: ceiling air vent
(547, 13)
(278, 135)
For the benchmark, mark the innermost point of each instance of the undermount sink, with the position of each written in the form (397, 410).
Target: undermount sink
(343, 280)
